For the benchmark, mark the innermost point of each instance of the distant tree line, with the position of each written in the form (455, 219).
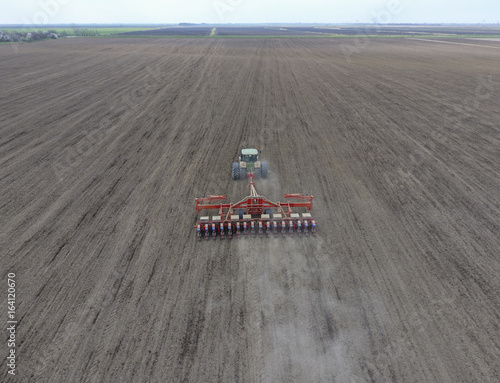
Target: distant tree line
(13, 36)
(6, 36)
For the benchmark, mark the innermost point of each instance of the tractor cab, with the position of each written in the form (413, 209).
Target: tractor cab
(249, 155)
(249, 163)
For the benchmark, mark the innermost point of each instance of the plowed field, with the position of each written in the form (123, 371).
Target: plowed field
(105, 143)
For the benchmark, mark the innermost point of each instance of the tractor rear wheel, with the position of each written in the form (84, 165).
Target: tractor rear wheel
(264, 170)
(236, 171)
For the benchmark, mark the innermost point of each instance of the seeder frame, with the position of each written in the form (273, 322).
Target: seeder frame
(255, 213)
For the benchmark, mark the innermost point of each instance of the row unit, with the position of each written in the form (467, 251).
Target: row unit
(267, 225)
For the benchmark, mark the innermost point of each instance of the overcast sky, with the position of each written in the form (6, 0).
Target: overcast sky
(248, 11)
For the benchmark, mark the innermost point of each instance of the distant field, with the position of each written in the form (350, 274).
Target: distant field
(171, 32)
(352, 30)
(322, 31)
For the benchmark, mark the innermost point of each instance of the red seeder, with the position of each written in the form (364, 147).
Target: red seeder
(254, 214)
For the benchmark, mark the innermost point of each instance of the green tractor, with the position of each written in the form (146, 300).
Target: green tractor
(249, 163)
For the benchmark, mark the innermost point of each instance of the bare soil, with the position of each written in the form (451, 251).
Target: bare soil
(105, 143)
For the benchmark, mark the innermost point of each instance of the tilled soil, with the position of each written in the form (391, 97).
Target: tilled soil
(105, 143)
